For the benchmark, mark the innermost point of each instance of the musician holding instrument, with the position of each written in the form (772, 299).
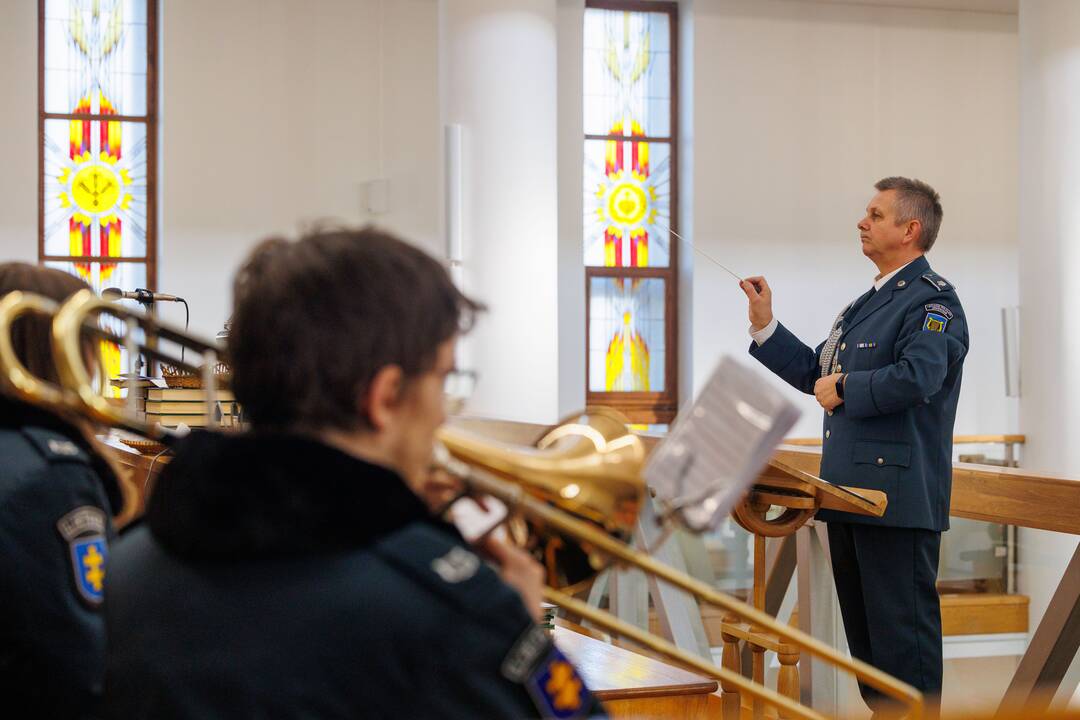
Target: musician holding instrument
(58, 497)
(888, 380)
(296, 569)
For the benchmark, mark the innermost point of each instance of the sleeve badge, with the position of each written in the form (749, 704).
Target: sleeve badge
(935, 322)
(557, 689)
(88, 557)
(84, 531)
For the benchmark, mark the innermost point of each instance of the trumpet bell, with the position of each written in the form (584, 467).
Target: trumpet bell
(589, 466)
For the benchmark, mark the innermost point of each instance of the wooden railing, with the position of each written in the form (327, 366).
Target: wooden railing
(1009, 442)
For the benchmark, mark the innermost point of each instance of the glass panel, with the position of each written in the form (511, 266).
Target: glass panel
(124, 275)
(973, 557)
(95, 56)
(627, 203)
(731, 558)
(627, 73)
(95, 188)
(626, 335)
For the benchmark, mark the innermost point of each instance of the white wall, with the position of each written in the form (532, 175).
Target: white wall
(276, 114)
(1049, 260)
(799, 108)
(571, 128)
(18, 131)
(499, 61)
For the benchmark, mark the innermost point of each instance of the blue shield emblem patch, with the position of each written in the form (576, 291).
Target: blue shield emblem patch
(935, 322)
(557, 689)
(88, 557)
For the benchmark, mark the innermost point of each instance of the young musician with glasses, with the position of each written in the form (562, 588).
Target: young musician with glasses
(296, 569)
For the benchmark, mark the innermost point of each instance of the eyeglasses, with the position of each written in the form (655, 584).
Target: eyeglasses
(457, 389)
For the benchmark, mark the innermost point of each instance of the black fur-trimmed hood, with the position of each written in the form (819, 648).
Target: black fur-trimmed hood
(234, 496)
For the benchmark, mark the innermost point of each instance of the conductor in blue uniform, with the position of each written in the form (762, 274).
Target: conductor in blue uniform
(887, 378)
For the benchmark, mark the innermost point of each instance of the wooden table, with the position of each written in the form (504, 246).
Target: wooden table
(635, 686)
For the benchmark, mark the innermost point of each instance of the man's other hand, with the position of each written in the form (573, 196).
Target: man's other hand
(760, 296)
(518, 570)
(825, 392)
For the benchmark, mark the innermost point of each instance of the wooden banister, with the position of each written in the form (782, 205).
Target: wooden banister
(957, 440)
(1009, 496)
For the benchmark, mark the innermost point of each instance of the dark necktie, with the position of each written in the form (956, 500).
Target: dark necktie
(857, 305)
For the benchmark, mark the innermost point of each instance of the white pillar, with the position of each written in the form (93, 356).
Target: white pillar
(1049, 249)
(498, 66)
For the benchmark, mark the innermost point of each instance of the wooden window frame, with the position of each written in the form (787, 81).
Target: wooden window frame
(648, 407)
(150, 121)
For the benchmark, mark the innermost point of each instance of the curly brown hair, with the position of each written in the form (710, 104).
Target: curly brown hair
(315, 319)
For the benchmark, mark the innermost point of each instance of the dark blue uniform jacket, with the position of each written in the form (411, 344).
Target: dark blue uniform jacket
(56, 504)
(275, 576)
(903, 351)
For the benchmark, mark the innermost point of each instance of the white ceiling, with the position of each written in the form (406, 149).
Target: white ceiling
(994, 6)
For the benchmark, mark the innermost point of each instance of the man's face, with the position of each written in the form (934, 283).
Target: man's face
(421, 411)
(880, 235)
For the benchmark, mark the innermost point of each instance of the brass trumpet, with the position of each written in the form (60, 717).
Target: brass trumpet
(73, 321)
(583, 484)
(80, 316)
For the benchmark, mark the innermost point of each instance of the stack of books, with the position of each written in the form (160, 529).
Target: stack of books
(172, 407)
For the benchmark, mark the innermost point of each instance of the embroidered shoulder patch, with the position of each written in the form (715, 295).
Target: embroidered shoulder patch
(557, 689)
(523, 656)
(84, 531)
(939, 309)
(935, 322)
(88, 560)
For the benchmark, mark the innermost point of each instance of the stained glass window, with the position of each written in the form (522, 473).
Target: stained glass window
(629, 202)
(630, 206)
(97, 128)
(626, 334)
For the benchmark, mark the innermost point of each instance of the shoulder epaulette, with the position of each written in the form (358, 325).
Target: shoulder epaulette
(54, 447)
(939, 283)
(443, 565)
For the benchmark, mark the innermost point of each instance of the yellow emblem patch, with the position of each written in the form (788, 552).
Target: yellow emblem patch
(935, 322)
(557, 689)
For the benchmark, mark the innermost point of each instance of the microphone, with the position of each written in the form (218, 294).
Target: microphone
(142, 295)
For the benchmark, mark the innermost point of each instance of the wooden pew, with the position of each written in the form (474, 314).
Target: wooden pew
(635, 686)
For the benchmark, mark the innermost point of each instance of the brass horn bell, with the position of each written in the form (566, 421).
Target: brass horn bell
(589, 465)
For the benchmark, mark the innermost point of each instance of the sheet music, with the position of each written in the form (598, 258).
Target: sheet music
(719, 445)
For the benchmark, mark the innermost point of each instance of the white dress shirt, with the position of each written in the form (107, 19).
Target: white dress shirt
(760, 336)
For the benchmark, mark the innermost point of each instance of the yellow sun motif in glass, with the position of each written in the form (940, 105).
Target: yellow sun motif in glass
(627, 204)
(95, 189)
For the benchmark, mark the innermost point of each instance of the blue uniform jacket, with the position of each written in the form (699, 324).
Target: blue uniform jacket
(56, 504)
(903, 352)
(276, 576)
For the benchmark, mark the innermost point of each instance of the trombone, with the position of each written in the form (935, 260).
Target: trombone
(582, 484)
(80, 316)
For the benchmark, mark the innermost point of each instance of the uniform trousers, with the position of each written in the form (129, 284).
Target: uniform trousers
(885, 580)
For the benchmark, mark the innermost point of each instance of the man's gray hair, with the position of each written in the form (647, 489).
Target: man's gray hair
(915, 200)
